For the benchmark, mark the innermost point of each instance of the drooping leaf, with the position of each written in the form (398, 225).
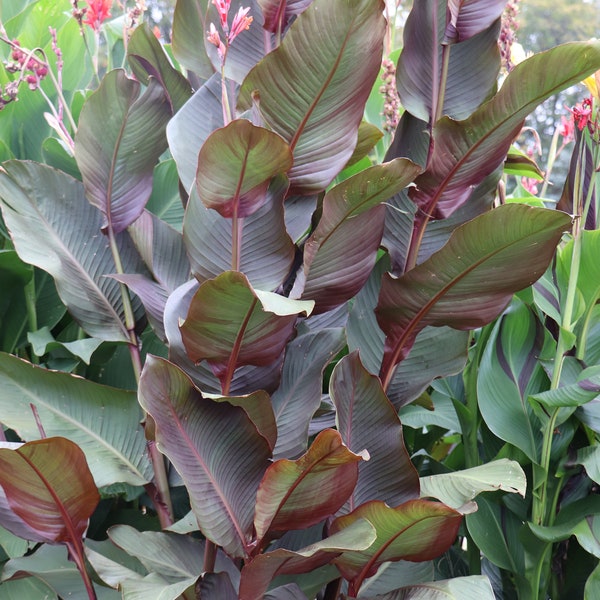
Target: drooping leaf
(148, 59)
(472, 65)
(266, 250)
(417, 530)
(49, 485)
(215, 448)
(321, 124)
(465, 152)
(390, 574)
(433, 292)
(119, 139)
(277, 13)
(341, 253)
(362, 408)
(258, 573)
(54, 228)
(190, 127)
(216, 586)
(298, 396)
(235, 166)
(104, 422)
(230, 324)
(298, 494)
(459, 487)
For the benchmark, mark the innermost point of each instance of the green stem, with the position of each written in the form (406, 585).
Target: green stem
(163, 505)
(550, 164)
(30, 303)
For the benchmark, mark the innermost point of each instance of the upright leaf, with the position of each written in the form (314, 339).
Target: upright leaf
(215, 448)
(118, 142)
(469, 17)
(54, 228)
(434, 292)
(235, 166)
(278, 13)
(466, 152)
(472, 65)
(48, 484)
(362, 408)
(320, 124)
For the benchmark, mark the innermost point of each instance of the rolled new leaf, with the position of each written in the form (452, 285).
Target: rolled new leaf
(277, 13)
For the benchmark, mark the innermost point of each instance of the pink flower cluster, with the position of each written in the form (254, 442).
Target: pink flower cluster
(240, 23)
(582, 113)
(24, 62)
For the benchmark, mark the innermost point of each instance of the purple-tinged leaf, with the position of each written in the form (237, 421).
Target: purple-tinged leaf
(120, 137)
(341, 253)
(418, 530)
(148, 59)
(266, 253)
(298, 215)
(277, 13)
(471, 279)
(318, 56)
(472, 67)
(473, 587)
(230, 324)
(298, 494)
(49, 486)
(258, 572)
(245, 380)
(191, 126)
(470, 17)
(215, 586)
(236, 164)
(298, 397)
(362, 408)
(466, 152)
(55, 229)
(214, 446)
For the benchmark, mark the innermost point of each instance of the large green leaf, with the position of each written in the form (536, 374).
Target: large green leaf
(148, 59)
(362, 408)
(341, 252)
(466, 152)
(119, 139)
(103, 421)
(214, 446)
(230, 324)
(417, 530)
(189, 27)
(298, 396)
(258, 573)
(49, 486)
(56, 229)
(472, 65)
(266, 250)
(235, 166)
(298, 494)
(312, 91)
(457, 488)
(508, 374)
(485, 261)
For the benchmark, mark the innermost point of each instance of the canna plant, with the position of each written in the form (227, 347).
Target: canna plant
(217, 294)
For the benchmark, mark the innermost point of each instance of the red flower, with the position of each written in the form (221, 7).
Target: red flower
(97, 12)
(581, 113)
(567, 129)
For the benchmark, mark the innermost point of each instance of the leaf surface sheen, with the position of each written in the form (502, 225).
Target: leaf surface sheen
(298, 494)
(362, 408)
(49, 485)
(119, 140)
(214, 446)
(277, 13)
(312, 91)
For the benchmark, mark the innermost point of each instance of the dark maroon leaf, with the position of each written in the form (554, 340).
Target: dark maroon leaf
(470, 17)
(277, 13)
